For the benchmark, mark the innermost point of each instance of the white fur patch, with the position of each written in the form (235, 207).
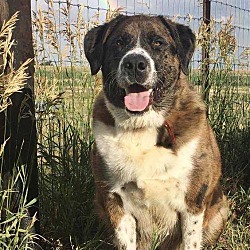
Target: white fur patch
(151, 180)
(192, 231)
(126, 233)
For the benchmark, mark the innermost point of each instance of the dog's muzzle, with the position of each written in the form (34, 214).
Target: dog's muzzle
(136, 68)
(136, 74)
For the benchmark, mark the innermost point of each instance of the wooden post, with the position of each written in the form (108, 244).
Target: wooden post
(19, 120)
(205, 52)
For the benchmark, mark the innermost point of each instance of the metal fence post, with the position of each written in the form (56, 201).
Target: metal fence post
(205, 51)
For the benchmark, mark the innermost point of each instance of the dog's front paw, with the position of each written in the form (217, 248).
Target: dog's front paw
(126, 233)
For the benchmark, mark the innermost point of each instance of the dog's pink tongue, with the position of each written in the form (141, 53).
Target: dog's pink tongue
(137, 101)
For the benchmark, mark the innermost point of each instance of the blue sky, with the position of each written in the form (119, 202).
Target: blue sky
(168, 7)
(179, 8)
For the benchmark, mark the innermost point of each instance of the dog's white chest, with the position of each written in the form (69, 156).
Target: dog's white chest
(143, 173)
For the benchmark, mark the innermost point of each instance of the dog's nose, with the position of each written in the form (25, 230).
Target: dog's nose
(135, 64)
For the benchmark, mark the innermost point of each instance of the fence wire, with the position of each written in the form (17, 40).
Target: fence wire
(240, 13)
(67, 18)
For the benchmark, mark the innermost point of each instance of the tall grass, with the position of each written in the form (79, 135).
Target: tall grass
(16, 228)
(64, 95)
(228, 112)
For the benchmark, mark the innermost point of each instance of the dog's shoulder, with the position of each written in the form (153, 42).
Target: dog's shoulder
(101, 112)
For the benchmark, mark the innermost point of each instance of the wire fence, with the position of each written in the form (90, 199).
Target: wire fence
(240, 13)
(65, 90)
(72, 16)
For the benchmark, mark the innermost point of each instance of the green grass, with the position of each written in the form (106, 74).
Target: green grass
(66, 186)
(66, 182)
(16, 226)
(68, 219)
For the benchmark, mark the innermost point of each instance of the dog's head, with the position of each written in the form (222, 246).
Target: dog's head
(141, 58)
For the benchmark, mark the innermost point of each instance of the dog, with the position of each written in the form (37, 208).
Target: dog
(155, 159)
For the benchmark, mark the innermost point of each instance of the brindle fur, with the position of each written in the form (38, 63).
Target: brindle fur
(183, 108)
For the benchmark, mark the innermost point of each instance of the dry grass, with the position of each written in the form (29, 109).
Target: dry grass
(64, 95)
(66, 138)
(14, 234)
(11, 80)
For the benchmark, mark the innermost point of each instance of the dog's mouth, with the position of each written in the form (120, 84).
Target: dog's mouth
(138, 98)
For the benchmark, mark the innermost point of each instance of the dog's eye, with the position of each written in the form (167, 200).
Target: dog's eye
(157, 43)
(119, 42)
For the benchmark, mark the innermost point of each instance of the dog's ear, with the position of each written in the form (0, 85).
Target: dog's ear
(94, 42)
(184, 39)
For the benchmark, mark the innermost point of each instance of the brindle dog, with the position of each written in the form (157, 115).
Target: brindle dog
(155, 160)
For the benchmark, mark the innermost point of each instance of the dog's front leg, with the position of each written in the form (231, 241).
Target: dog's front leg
(126, 233)
(192, 230)
(111, 211)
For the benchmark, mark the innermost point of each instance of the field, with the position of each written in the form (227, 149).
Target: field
(66, 181)
(64, 97)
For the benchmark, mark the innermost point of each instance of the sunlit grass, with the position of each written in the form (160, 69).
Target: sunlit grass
(64, 97)
(65, 140)
(16, 227)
